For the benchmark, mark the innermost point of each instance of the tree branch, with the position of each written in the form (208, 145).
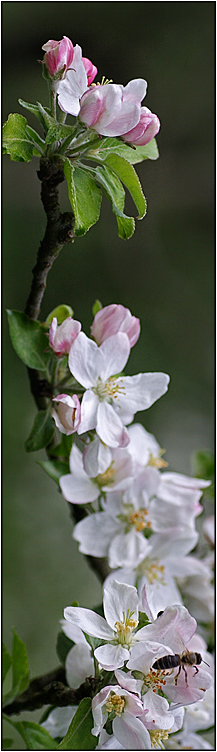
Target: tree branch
(52, 689)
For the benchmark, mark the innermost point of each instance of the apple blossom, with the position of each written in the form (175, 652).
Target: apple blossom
(75, 83)
(110, 401)
(111, 108)
(68, 415)
(112, 319)
(147, 127)
(78, 488)
(61, 337)
(58, 56)
(116, 630)
(129, 721)
(144, 448)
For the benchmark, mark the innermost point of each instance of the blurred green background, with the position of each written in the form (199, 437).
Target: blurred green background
(164, 274)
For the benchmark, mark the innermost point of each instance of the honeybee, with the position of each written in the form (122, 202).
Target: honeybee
(185, 659)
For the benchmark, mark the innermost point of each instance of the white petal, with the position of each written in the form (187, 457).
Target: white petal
(116, 350)
(79, 665)
(158, 708)
(94, 533)
(89, 409)
(142, 390)
(89, 622)
(131, 732)
(111, 656)
(118, 599)
(85, 360)
(127, 549)
(78, 490)
(109, 427)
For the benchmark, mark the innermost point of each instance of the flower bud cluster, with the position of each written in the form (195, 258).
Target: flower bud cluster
(107, 108)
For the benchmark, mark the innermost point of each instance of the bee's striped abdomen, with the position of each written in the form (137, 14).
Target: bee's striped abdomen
(167, 661)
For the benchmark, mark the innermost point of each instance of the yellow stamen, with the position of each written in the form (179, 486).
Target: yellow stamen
(158, 736)
(138, 520)
(115, 704)
(157, 461)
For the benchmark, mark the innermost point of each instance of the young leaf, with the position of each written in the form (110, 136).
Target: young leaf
(41, 433)
(7, 743)
(35, 737)
(6, 662)
(29, 340)
(79, 734)
(35, 109)
(127, 174)
(54, 468)
(16, 140)
(85, 197)
(116, 194)
(20, 664)
(96, 307)
(132, 154)
(61, 312)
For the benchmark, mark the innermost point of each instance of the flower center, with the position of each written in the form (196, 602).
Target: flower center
(157, 461)
(115, 704)
(157, 737)
(153, 571)
(125, 628)
(107, 390)
(134, 519)
(154, 680)
(106, 478)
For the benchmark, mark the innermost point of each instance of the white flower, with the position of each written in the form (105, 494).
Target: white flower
(78, 488)
(116, 630)
(110, 401)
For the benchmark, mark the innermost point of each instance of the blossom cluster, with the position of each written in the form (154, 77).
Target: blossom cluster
(109, 109)
(142, 518)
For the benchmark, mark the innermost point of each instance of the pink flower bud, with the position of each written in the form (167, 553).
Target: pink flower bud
(91, 69)
(61, 337)
(68, 415)
(58, 55)
(113, 319)
(147, 127)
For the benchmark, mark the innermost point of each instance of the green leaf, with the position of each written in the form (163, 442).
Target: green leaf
(41, 433)
(20, 664)
(34, 108)
(128, 176)
(16, 140)
(63, 646)
(132, 154)
(203, 464)
(61, 312)
(58, 131)
(6, 662)
(96, 307)
(54, 468)
(79, 734)
(35, 737)
(85, 197)
(29, 340)
(36, 139)
(64, 448)
(7, 743)
(116, 194)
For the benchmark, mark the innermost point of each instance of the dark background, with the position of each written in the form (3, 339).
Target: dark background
(164, 274)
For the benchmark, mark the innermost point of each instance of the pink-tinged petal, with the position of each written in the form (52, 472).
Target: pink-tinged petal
(174, 627)
(52, 332)
(100, 104)
(127, 681)
(135, 90)
(111, 656)
(94, 533)
(77, 490)
(127, 118)
(109, 427)
(89, 410)
(142, 390)
(115, 350)
(144, 653)
(147, 127)
(185, 693)
(112, 319)
(59, 55)
(68, 415)
(131, 732)
(91, 623)
(91, 105)
(118, 599)
(85, 361)
(61, 337)
(91, 69)
(79, 665)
